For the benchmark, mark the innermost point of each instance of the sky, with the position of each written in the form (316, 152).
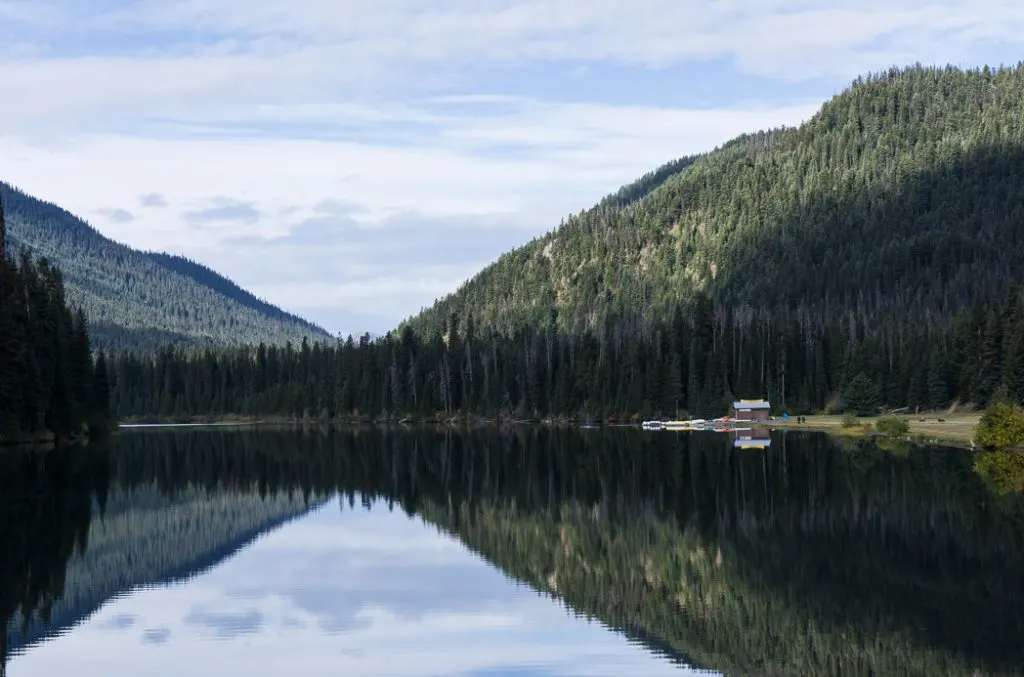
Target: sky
(352, 161)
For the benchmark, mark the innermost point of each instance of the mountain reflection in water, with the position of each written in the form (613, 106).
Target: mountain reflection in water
(810, 556)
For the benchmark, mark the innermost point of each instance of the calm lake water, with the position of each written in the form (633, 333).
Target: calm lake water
(535, 552)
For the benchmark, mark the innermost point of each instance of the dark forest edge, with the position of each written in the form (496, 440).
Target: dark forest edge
(51, 388)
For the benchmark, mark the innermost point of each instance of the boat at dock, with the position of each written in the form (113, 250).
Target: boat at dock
(696, 423)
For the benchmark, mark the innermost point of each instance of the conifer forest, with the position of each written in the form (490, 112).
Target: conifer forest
(695, 365)
(50, 384)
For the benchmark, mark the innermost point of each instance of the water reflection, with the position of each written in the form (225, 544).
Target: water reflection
(340, 592)
(805, 557)
(752, 438)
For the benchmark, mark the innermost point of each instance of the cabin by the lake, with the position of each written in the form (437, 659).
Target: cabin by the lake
(751, 410)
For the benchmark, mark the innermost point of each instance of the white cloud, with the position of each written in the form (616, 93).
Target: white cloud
(258, 55)
(153, 200)
(648, 32)
(117, 215)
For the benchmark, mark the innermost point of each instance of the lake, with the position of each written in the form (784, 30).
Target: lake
(523, 552)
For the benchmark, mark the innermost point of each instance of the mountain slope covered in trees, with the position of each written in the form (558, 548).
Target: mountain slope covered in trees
(902, 197)
(135, 299)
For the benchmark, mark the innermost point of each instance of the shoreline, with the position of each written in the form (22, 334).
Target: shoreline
(951, 430)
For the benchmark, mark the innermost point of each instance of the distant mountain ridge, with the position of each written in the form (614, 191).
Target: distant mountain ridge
(143, 300)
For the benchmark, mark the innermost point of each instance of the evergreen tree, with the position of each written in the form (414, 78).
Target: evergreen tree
(45, 364)
(991, 358)
(938, 389)
(99, 396)
(862, 395)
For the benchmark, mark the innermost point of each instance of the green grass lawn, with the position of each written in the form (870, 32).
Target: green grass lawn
(954, 428)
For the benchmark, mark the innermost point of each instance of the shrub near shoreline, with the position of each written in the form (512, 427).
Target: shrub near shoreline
(1001, 427)
(893, 426)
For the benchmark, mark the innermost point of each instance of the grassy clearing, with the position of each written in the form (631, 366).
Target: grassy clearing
(958, 428)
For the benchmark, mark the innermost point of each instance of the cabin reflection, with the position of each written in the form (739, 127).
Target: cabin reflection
(752, 438)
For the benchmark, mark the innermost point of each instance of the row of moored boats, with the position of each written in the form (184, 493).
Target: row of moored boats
(719, 424)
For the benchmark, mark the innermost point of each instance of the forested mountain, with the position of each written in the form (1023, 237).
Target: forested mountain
(135, 299)
(49, 383)
(901, 200)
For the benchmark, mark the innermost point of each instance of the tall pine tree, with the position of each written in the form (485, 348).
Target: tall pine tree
(46, 370)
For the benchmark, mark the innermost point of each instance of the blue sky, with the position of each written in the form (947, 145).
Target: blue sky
(352, 161)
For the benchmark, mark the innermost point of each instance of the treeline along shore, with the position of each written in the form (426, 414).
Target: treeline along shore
(696, 364)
